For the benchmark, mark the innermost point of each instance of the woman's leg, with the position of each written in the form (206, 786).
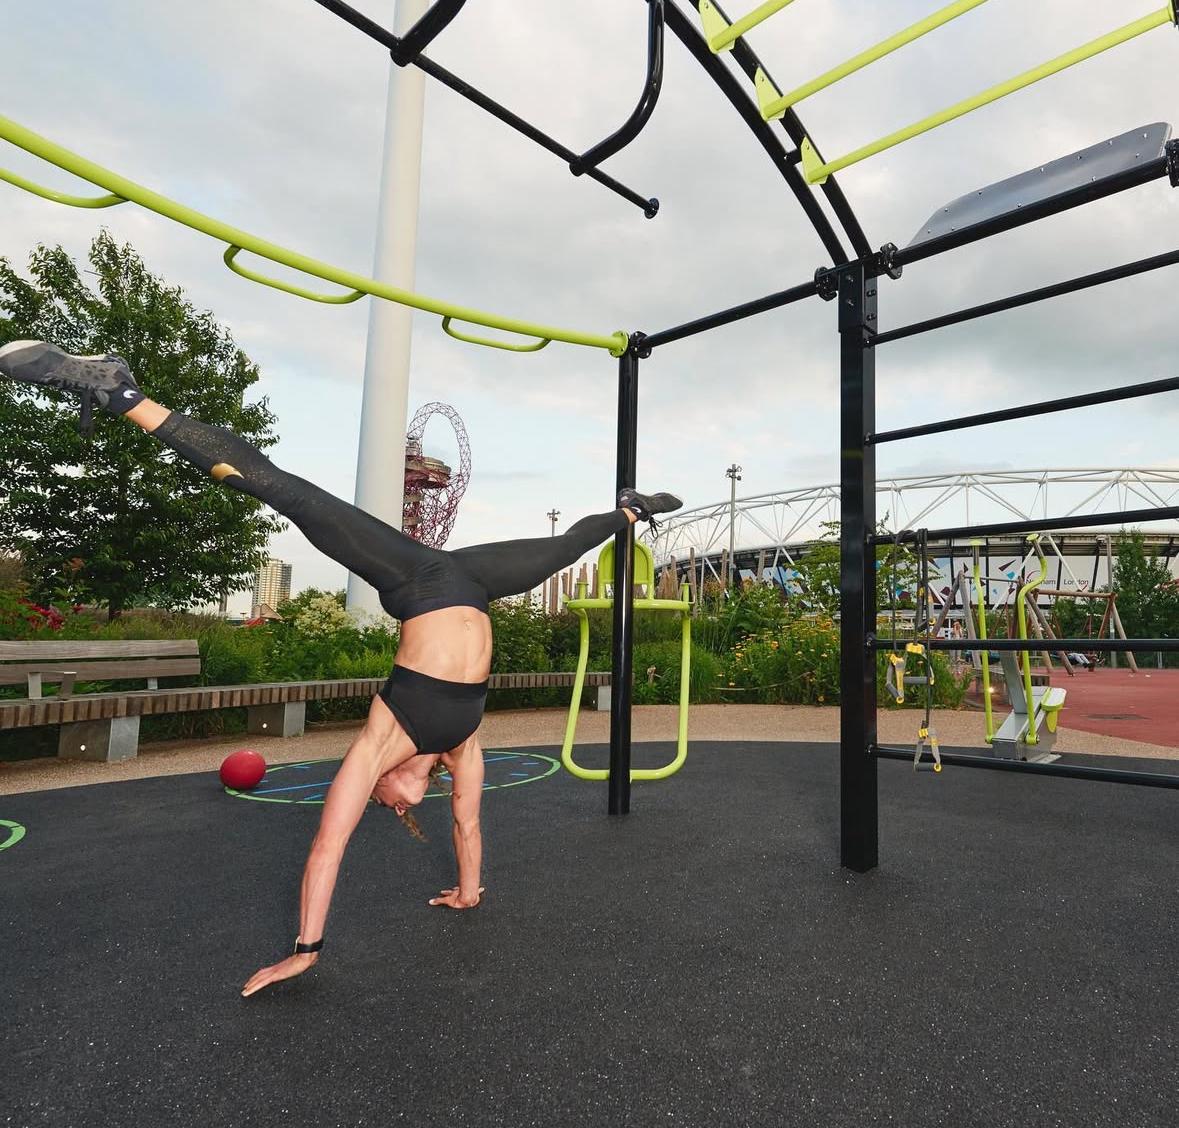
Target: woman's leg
(381, 555)
(512, 567)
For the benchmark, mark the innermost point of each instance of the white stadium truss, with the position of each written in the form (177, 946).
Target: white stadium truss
(784, 522)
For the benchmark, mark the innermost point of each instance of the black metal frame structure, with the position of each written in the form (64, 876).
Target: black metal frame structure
(853, 281)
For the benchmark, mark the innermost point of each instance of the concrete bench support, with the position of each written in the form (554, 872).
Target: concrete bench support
(284, 719)
(109, 740)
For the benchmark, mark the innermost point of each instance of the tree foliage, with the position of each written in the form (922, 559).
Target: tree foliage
(1148, 596)
(116, 519)
(897, 574)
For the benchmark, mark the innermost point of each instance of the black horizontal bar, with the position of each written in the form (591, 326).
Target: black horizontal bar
(464, 89)
(1031, 767)
(1071, 286)
(1086, 193)
(652, 83)
(688, 34)
(426, 30)
(1042, 524)
(1045, 407)
(1098, 645)
(734, 313)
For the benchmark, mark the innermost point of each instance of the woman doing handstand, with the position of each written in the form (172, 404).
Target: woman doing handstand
(431, 706)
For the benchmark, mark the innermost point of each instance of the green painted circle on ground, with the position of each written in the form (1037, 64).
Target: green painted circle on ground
(514, 768)
(15, 833)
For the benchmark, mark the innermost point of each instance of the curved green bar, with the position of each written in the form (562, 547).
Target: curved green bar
(1022, 615)
(536, 346)
(616, 343)
(816, 171)
(59, 197)
(332, 299)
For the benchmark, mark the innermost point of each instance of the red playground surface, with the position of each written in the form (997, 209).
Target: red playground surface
(1142, 706)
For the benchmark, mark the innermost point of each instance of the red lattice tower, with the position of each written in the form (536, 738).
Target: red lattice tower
(432, 489)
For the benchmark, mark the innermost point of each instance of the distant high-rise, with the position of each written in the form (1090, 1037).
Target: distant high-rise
(272, 586)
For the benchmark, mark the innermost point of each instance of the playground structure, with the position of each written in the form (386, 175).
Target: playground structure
(433, 490)
(1135, 158)
(775, 530)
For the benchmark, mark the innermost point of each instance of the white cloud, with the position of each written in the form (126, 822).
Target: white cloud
(270, 116)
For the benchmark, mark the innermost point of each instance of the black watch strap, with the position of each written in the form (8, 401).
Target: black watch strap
(302, 949)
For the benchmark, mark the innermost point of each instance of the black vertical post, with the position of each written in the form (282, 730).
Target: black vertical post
(622, 663)
(858, 838)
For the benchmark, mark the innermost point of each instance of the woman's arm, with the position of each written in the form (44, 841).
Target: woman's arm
(466, 773)
(346, 799)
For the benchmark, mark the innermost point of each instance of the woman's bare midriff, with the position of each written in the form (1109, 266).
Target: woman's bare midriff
(452, 643)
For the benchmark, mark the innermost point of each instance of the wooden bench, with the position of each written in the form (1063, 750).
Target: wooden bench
(105, 726)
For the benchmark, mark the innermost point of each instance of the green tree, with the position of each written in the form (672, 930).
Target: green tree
(1148, 597)
(117, 519)
(897, 574)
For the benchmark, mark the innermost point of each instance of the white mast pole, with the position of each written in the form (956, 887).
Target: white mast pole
(380, 458)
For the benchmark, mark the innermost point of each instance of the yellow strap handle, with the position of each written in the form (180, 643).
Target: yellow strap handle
(232, 252)
(487, 342)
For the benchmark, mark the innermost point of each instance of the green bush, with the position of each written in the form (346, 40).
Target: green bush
(657, 674)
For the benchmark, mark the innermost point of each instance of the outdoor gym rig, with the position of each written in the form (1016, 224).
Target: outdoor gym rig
(1135, 158)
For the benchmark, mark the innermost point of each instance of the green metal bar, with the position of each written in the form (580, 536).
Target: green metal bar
(571, 765)
(776, 107)
(579, 606)
(721, 35)
(615, 344)
(333, 299)
(488, 343)
(1022, 616)
(817, 171)
(985, 651)
(59, 197)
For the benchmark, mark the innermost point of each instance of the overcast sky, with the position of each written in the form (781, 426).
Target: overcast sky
(269, 115)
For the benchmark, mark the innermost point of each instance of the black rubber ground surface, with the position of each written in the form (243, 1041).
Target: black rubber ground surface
(702, 962)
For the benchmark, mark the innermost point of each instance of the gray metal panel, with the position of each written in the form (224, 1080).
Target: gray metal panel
(1109, 158)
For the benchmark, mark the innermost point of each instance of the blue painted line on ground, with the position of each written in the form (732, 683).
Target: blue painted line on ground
(519, 773)
(293, 787)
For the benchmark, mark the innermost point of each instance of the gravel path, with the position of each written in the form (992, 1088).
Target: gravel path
(528, 727)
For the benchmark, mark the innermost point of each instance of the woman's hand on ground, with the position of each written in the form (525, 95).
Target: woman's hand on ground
(287, 969)
(453, 899)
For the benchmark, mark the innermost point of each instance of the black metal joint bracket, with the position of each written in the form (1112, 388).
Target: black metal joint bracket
(885, 262)
(638, 345)
(1173, 163)
(827, 283)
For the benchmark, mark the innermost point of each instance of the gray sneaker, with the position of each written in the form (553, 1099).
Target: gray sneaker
(107, 380)
(645, 506)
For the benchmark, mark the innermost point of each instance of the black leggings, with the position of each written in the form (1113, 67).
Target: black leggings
(410, 577)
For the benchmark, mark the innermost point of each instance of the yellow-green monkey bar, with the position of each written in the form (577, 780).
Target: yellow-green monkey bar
(721, 34)
(773, 103)
(121, 190)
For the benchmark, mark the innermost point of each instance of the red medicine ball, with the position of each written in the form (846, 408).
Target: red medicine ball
(242, 770)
